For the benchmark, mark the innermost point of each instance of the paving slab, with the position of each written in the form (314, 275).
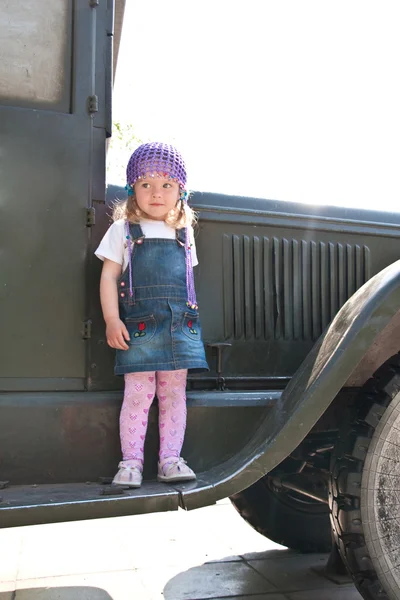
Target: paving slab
(271, 553)
(209, 581)
(205, 554)
(256, 597)
(293, 574)
(10, 548)
(226, 559)
(72, 548)
(342, 593)
(93, 586)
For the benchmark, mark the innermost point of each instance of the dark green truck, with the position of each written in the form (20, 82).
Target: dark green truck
(298, 420)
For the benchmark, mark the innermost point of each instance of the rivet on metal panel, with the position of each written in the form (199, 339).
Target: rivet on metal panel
(94, 3)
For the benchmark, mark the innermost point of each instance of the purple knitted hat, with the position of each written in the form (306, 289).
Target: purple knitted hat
(155, 159)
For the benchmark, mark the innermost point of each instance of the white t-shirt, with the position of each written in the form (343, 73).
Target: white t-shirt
(114, 244)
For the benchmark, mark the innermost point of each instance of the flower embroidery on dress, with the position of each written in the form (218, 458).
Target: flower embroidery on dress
(191, 329)
(141, 330)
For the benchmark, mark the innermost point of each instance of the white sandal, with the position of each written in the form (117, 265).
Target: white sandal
(174, 469)
(130, 476)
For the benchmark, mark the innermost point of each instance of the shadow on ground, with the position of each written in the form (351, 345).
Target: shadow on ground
(57, 593)
(270, 575)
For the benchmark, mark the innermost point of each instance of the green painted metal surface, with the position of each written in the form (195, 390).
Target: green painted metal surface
(276, 281)
(52, 169)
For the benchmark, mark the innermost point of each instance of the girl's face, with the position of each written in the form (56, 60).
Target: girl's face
(156, 196)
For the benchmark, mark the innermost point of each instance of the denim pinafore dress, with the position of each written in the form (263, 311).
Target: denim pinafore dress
(165, 334)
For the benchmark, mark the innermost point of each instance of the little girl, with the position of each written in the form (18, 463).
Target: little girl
(149, 306)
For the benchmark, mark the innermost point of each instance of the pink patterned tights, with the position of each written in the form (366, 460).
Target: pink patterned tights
(140, 389)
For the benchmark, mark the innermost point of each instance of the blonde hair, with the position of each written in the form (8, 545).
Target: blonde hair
(180, 216)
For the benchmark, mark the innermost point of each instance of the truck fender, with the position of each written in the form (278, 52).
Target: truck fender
(314, 386)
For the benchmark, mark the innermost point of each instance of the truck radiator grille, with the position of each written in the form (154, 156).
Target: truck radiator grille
(277, 288)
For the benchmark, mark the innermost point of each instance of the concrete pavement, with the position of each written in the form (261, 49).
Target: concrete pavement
(209, 553)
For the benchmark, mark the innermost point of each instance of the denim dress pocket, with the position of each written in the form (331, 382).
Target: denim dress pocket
(141, 329)
(191, 326)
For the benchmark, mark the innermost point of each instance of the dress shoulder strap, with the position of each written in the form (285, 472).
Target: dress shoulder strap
(135, 231)
(181, 236)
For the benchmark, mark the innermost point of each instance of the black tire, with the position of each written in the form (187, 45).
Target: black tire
(365, 478)
(280, 516)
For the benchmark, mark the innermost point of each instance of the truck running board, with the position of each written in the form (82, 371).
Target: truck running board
(63, 469)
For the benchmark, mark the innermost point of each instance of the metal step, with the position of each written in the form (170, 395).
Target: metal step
(52, 503)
